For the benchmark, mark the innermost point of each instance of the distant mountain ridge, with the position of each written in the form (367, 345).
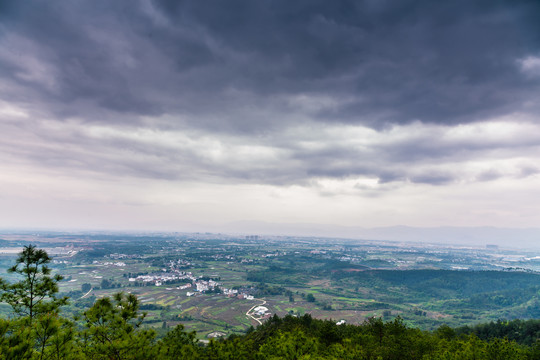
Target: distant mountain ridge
(474, 236)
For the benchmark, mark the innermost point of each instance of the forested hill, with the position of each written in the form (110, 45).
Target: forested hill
(308, 338)
(111, 334)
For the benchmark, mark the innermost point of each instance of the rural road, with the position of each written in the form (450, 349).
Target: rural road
(253, 307)
(88, 293)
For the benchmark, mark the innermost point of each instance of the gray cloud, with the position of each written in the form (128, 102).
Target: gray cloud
(252, 92)
(410, 154)
(396, 62)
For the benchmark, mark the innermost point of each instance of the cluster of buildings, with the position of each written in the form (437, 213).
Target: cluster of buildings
(60, 262)
(239, 295)
(117, 256)
(273, 255)
(159, 279)
(180, 263)
(196, 285)
(222, 257)
(118, 263)
(203, 285)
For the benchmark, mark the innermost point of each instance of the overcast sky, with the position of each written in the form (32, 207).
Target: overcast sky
(185, 115)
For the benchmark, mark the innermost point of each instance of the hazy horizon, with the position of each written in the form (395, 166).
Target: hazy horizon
(506, 238)
(171, 115)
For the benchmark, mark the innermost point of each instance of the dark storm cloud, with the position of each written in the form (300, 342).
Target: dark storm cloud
(449, 62)
(269, 91)
(231, 66)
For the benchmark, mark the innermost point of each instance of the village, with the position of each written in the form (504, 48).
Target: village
(197, 286)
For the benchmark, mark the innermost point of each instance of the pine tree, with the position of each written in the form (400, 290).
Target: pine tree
(113, 330)
(38, 332)
(34, 295)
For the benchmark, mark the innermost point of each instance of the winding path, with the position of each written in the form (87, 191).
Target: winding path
(253, 307)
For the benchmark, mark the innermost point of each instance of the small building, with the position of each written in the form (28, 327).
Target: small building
(216, 334)
(260, 310)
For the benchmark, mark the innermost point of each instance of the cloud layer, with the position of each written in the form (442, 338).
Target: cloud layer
(356, 98)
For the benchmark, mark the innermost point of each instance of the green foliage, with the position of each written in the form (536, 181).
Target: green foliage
(86, 287)
(113, 330)
(525, 332)
(53, 337)
(38, 332)
(15, 340)
(289, 345)
(34, 295)
(307, 338)
(178, 344)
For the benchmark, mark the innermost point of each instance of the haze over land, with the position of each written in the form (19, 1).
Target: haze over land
(189, 115)
(460, 236)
